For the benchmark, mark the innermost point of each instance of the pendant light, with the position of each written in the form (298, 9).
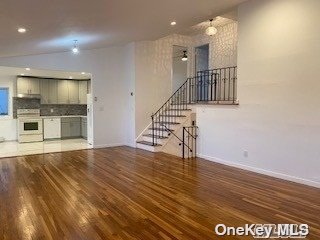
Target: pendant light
(184, 57)
(211, 30)
(75, 48)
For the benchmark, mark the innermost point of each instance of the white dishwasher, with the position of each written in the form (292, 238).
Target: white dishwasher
(51, 128)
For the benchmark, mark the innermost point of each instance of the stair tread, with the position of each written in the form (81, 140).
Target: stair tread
(161, 129)
(156, 136)
(149, 143)
(177, 109)
(175, 123)
(172, 115)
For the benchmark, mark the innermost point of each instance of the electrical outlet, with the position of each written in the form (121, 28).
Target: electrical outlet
(245, 153)
(51, 110)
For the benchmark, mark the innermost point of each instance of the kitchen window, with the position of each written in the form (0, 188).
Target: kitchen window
(4, 101)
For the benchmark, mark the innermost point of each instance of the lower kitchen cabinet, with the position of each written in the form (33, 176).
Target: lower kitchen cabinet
(70, 127)
(84, 128)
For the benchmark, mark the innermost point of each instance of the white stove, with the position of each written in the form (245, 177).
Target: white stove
(29, 125)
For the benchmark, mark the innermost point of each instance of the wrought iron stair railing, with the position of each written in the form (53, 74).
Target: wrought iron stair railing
(189, 141)
(216, 85)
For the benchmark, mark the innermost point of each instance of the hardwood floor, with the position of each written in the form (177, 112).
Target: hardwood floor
(126, 193)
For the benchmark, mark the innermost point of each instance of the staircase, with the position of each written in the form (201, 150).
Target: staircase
(174, 120)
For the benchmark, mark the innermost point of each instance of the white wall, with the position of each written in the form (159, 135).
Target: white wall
(153, 64)
(278, 119)
(108, 85)
(129, 70)
(8, 125)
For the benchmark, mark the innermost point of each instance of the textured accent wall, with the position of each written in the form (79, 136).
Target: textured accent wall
(222, 46)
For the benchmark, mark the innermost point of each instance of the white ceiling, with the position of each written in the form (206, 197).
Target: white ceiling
(200, 28)
(10, 71)
(53, 24)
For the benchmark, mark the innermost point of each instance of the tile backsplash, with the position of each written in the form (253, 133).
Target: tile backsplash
(24, 103)
(63, 109)
(45, 109)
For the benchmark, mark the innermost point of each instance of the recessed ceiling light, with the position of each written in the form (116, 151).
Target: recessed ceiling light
(83, 73)
(22, 74)
(70, 77)
(22, 30)
(173, 23)
(28, 69)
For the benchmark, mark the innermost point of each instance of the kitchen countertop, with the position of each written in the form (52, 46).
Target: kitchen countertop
(64, 116)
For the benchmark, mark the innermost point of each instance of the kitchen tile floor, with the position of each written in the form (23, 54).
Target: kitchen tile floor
(12, 148)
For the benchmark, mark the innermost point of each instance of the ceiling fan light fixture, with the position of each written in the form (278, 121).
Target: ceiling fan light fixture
(184, 57)
(211, 30)
(75, 49)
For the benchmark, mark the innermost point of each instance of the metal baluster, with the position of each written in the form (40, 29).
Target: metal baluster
(229, 81)
(183, 142)
(234, 83)
(224, 84)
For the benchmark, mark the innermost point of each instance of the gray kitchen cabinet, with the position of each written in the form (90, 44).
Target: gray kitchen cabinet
(73, 89)
(89, 86)
(65, 129)
(83, 91)
(49, 91)
(68, 92)
(34, 86)
(70, 127)
(63, 92)
(22, 86)
(28, 85)
(84, 128)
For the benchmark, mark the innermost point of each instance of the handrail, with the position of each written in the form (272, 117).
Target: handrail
(171, 97)
(213, 85)
(171, 132)
(192, 145)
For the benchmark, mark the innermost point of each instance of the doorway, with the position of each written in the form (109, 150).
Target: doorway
(202, 58)
(201, 67)
(179, 67)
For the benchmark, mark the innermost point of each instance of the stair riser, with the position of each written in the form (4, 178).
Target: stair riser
(168, 125)
(158, 141)
(171, 119)
(148, 148)
(165, 134)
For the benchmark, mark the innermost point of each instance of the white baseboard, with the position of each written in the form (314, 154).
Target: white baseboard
(134, 145)
(109, 145)
(263, 171)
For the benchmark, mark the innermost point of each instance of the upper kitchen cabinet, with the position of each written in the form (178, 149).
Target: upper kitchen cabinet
(73, 87)
(83, 91)
(49, 91)
(63, 92)
(28, 85)
(68, 92)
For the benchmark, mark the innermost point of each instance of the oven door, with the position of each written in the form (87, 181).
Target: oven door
(30, 126)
